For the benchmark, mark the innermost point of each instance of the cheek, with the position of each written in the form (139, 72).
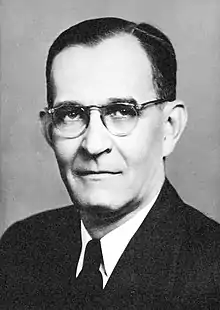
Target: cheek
(65, 150)
(144, 147)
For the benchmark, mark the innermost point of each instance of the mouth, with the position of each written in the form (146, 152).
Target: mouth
(100, 173)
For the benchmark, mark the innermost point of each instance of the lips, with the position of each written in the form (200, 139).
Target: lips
(99, 172)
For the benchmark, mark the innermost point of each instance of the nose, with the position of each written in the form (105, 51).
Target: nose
(97, 138)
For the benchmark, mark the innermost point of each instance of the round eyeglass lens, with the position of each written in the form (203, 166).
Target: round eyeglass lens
(71, 121)
(120, 119)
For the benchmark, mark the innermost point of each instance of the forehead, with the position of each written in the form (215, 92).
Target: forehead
(114, 67)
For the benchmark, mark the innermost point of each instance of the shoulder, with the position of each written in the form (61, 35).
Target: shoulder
(46, 226)
(198, 243)
(197, 224)
(197, 254)
(37, 255)
(188, 217)
(196, 232)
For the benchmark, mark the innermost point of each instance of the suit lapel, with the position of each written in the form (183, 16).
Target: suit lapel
(146, 267)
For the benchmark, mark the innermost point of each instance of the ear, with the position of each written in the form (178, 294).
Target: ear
(46, 127)
(175, 119)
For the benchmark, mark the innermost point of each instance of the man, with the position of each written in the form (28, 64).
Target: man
(112, 119)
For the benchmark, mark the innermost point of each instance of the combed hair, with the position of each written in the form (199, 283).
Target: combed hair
(91, 32)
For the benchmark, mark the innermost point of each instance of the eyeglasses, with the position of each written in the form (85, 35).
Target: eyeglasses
(120, 118)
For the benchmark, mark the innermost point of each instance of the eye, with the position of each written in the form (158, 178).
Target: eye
(120, 111)
(68, 114)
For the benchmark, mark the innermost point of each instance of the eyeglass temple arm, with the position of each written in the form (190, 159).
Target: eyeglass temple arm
(150, 103)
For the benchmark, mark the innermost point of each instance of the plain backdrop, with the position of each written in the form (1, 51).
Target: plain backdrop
(30, 180)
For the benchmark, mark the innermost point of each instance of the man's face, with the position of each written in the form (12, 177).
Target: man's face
(129, 167)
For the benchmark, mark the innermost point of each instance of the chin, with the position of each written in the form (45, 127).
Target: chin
(102, 200)
(106, 209)
(107, 203)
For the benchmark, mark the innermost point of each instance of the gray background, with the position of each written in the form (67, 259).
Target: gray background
(30, 180)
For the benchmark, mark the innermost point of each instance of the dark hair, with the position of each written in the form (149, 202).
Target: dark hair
(157, 46)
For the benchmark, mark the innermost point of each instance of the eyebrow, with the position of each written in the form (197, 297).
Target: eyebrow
(65, 102)
(122, 100)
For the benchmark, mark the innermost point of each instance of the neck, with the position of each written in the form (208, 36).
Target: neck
(100, 220)
(99, 223)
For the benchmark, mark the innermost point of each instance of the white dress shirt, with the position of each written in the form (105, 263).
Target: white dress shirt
(114, 243)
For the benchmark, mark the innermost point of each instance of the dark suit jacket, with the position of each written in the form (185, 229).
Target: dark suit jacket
(172, 262)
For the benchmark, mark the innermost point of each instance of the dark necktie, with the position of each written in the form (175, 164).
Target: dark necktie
(89, 281)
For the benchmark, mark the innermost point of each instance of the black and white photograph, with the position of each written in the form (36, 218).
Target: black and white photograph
(110, 155)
